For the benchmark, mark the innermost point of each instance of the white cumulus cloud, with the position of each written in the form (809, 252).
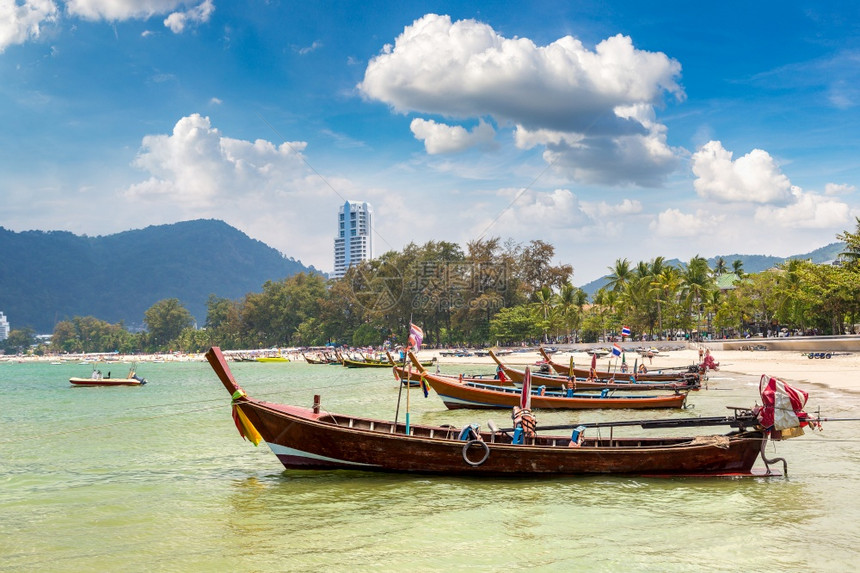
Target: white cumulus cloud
(442, 138)
(177, 21)
(558, 209)
(22, 21)
(674, 223)
(808, 211)
(114, 10)
(181, 13)
(603, 209)
(752, 178)
(197, 165)
(839, 189)
(602, 99)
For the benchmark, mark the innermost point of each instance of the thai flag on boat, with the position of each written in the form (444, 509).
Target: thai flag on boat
(625, 331)
(416, 336)
(616, 350)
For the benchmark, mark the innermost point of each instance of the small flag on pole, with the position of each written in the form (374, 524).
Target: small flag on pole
(416, 336)
(616, 350)
(625, 331)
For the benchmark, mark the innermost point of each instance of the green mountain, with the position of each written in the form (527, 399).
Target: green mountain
(48, 276)
(751, 263)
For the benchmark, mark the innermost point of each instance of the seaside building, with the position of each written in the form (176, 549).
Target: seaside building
(354, 241)
(4, 327)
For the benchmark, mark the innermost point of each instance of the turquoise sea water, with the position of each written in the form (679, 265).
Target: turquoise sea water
(156, 478)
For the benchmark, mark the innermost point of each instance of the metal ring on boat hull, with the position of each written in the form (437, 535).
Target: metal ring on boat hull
(468, 445)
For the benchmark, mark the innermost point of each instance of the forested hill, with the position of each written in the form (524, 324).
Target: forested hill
(48, 276)
(751, 263)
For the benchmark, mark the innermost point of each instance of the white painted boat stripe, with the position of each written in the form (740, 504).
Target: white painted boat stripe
(285, 451)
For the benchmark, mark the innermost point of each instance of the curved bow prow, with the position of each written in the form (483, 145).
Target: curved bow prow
(219, 365)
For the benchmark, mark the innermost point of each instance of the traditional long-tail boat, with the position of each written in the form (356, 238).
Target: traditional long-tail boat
(456, 394)
(512, 377)
(312, 360)
(581, 383)
(413, 376)
(676, 376)
(310, 438)
(366, 363)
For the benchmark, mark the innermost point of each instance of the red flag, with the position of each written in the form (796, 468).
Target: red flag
(526, 396)
(416, 337)
(593, 372)
(782, 404)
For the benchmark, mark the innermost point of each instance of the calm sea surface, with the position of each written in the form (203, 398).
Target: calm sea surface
(157, 479)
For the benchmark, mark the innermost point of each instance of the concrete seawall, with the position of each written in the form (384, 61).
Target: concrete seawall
(849, 343)
(790, 343)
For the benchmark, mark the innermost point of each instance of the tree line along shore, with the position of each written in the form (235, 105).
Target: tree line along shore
(491, 293)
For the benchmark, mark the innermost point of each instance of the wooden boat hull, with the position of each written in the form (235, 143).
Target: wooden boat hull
(302, 439)
(553, 382)
(457, 395)
(414, 376)
(564, 370)
(365, 364)
(378, 363)
(686, 378)
(107, 382)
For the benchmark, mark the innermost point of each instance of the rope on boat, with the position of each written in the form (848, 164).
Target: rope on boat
(767, 461)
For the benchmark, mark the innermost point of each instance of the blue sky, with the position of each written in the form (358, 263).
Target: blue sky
(611, 130)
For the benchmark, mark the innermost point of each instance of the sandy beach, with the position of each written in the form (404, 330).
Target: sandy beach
(841, 371)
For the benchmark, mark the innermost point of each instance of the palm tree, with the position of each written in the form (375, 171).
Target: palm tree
(665, 286)
(569, 306)
(721, 268)
(790, 282)
(544, 300)
(851, 254)
(656, 266)
(738, 267)
(620, 274)
(697, 280)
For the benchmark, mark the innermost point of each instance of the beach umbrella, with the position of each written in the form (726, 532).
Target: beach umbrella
(526, 395)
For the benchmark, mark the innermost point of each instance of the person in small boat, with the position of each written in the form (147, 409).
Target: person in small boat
(642, 369)
(108, 374)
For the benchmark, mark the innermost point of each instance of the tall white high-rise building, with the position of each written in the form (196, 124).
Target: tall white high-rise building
(354, 240)
(4, 327)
